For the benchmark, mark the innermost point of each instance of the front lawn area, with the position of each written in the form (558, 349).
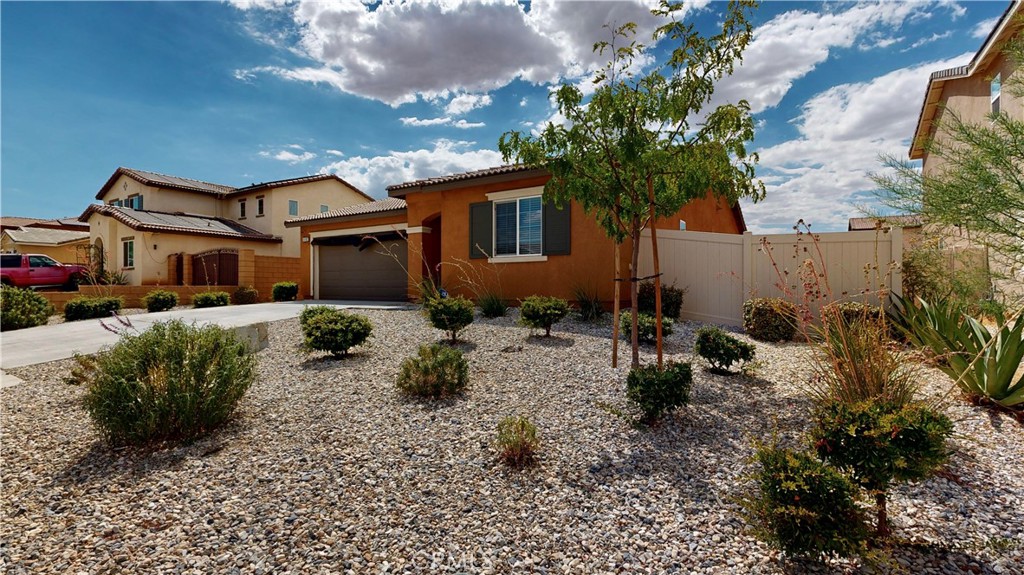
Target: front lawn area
(328, 469)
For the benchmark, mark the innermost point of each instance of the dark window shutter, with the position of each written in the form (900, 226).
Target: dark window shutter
(557, 231)
(480, 226)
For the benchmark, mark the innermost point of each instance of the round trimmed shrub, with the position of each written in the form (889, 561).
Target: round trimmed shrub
(172, 381)
(769, 319)
(85, 307)
(451, 315)
(333, 330)
(21, 308)
(541, 312)
(160, 300)
(656, 392)
(211, 299)
(646, 327)
(245, 295)
(436, 371)
(671, 299)
(284, 291)
(720, 349)
(311, 311)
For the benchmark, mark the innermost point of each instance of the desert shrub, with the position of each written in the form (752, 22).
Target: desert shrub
(333, 330)
(451, 315)
(656, 392)
(437, 371)
(160, 300)
(880, 442)
(588, 304)
(491, 305)
(541, 312)
(646, 327)
(769, 319)
(850, 312)
(430, 292)
(517, 441)
(933, 273)
(284, 291)
(172, 381)
(671, 299)
(805, 507)
(245, 295)
(21, 308)
(211, 299)
(720, 349)
(85, 307)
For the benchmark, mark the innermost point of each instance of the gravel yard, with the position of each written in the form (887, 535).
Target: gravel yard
(326, 469)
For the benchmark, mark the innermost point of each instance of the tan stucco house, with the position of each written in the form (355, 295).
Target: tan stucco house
(64, 240)
(169, 230)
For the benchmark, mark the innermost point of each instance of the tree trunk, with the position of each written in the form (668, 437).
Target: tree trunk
(615, 308)
(657, 270)
(882, 527)
(634, 264)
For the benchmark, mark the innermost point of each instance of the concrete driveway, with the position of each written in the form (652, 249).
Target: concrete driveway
(52, 342)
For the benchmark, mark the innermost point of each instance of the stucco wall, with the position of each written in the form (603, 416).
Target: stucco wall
(310, 196)
(163, 200)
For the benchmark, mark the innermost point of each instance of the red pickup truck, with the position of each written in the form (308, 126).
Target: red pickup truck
(37, 270)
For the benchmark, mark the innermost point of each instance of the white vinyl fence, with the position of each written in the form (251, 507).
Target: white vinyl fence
(721, 271)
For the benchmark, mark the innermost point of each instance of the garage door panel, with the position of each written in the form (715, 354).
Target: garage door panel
(347, 273)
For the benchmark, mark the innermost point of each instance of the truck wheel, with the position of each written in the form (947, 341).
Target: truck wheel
(72, 284)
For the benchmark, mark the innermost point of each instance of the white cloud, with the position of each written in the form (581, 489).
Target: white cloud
(374, 174)
(984, 28)
(337, 153)
(464, 125)
(522, 103)
(413, 121)
(464, 103)
(929, 39)
(290, 157)
(823, 176)
(397, 52)
(295, 147)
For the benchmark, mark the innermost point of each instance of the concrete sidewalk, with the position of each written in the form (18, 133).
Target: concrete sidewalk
(52, 342)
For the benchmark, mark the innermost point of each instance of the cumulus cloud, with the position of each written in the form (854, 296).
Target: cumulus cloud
(823, 176)
(984, 28)
(374, 174)
(464, 103)
(289, 156)
(397, 52)
(444, 121)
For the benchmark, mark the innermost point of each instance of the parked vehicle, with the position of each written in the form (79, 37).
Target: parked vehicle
(38, 270)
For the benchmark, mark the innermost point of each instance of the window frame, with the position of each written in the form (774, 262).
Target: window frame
(259, 206)
(995, 91)
(241, 209)
(128, 253)
(324, 208)
(293, 203)
(518, 225)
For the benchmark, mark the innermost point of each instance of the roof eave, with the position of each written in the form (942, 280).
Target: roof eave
(297, 223)
(469, 182)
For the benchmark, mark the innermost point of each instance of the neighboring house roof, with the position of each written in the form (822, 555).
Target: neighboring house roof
(150, 221)
(903, 221)
(198, 186)
(356, 211)
(45, 236)
(446, 182)
(17, 221)
(70, 224)
(1005, 28)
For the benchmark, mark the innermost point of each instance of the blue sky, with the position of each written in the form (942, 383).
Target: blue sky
(252, 91)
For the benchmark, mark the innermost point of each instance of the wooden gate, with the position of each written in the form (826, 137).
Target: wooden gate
(215, 267)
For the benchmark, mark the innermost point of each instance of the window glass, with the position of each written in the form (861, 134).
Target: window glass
(259, 207)
(995, 88)
(128, 253)
(241, 209)
(505, 229)
(293, 208)
(41, 262)
(10, 261)
(324, 208)
(529, 226)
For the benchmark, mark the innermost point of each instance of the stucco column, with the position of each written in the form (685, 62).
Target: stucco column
(186, 265)
(415, 265)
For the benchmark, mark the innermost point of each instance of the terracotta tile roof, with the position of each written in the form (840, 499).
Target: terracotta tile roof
(377, 207)
(149, 221)
(495, 171)
(189, 185)
(71, 224)
(903, 221)
(45, 236)
(17, 221)
(293, 182)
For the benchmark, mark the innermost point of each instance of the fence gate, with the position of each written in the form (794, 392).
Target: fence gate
(215, 267)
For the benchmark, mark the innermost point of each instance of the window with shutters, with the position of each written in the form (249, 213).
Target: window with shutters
(513, 227)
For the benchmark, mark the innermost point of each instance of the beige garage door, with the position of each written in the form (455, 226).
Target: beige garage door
(346, 272)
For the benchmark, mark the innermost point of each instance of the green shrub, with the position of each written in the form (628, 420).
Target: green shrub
(160, 300)
(517, 441)
(588, 304)
(656, 392)
(21, 308)
(850, 312)
(646, 327)
(311, 311)
(451, 315)
(671, 299)
(211, 299)
(541, 312)
(245, 295)
(284, 291)
(880, 442)
(172, 381)
(720, 349)
(437, 371)
(491, 305)
(769, 319)
(804, 507)
(333, 330)
(85, 307)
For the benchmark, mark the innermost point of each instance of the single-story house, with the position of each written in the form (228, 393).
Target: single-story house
(473, 232)
(65, 246)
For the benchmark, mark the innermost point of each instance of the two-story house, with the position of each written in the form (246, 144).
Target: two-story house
(168, 230)
(973, 91)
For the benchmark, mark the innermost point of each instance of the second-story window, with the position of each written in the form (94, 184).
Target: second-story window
(995, 88)
(293, 207)
(324, 208)
(259, 206)
(241, 209)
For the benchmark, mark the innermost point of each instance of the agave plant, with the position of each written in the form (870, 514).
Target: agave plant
(981, 363)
